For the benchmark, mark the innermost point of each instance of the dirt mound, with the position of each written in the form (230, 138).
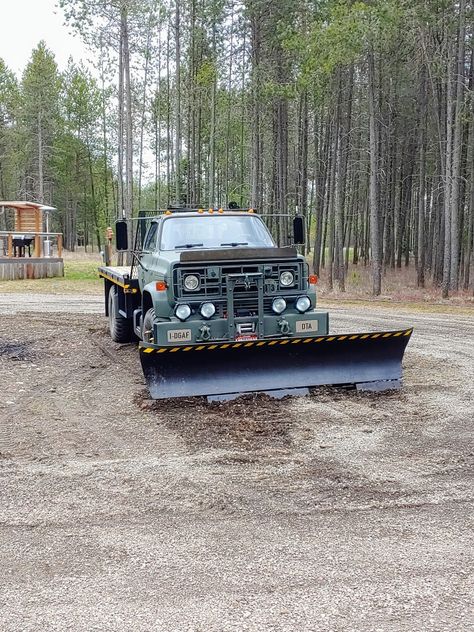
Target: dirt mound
(248, 421)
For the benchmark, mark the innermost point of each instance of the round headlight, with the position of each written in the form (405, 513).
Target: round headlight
(183, 312)
(279, 305)
(287, 278)
(303, 304)
(207, 310)
(191, 282)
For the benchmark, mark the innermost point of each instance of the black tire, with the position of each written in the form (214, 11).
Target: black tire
(120, 328)
(147, 325)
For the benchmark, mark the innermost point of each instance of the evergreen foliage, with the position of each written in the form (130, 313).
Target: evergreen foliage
(359, 115)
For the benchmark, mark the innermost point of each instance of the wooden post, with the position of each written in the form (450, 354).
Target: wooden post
(108, 246)
(38, 239)
(10, 246)
(60, 245)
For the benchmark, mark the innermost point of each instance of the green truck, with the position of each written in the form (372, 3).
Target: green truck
(220, 310)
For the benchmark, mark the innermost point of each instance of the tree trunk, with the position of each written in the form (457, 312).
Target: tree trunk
(457, 150)
(128, 126)
(421, 187)
(143, 110)
(256, 164)
(373, 183)
(448, 182)
(40, 158)
(178, 102)
(120, 191)
(212, 139)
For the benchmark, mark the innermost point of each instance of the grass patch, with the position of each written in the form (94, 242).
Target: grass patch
(355, 278)
(82, 270)
(80, 277)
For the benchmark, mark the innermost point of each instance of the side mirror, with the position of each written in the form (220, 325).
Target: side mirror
(121, 234)
(298, 230)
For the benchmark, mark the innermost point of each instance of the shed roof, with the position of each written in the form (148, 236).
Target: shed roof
(24, 205)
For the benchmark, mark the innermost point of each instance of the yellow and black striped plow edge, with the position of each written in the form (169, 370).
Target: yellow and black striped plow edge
(258, 344)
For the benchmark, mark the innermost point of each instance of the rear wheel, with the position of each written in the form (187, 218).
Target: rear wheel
(120, 327)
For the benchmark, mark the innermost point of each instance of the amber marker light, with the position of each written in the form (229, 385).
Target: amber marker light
(313, 279)
(160, 286)
(221, 210)
(168, 213)
(211, 210)
(250, 210)
(200, 210)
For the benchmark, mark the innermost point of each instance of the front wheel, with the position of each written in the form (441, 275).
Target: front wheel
(147, 326)
(120, 328)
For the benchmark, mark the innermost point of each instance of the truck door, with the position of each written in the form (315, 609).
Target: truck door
(149, 254)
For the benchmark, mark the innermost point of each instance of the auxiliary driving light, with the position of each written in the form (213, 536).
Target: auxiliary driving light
(207, 310)
(191, 282)
(279, 305)
(287, 278)
(183, 312)
(303, 304)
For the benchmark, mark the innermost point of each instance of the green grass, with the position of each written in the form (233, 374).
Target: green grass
(79, 270)
(80, 277)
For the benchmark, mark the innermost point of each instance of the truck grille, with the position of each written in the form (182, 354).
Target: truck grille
(244, 307)
(213, 285)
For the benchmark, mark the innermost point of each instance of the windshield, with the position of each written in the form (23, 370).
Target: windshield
(214, 231)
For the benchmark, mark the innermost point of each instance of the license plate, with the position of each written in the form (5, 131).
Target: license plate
(306, 326)
(179, 335)
(242, 337)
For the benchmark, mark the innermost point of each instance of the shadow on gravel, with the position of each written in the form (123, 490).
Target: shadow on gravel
(250, 422)
(16, 351)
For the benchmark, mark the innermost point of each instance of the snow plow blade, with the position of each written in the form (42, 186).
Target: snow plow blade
(369, 361)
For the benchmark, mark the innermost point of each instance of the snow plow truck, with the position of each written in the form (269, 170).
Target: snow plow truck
(220, 310)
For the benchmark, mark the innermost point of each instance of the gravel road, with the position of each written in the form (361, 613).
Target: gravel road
(336, 512)
(17, 303)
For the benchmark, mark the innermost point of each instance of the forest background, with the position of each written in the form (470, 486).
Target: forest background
(357, 115)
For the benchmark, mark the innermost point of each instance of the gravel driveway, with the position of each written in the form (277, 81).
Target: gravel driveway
(335, 512)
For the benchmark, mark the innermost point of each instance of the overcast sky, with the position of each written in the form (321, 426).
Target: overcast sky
(23, 23)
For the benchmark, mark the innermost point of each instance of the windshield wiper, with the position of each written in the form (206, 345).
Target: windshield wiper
(236, 243)
(188, 246)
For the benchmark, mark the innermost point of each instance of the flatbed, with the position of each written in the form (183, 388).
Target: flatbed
(121, 276)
